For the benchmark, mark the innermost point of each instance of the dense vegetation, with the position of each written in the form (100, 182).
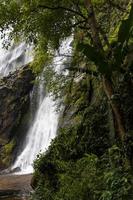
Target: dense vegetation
(91, 158)
(86, 161)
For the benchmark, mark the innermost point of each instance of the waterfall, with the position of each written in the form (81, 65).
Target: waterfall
(14, 58)
(41, 132)
(44, 126)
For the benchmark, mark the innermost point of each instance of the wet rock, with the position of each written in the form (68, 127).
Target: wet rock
(8, 193)
(9, 171)
(14, 100)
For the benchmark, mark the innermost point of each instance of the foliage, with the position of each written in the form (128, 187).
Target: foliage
(90, 177)
(47, 23)
(82, 162)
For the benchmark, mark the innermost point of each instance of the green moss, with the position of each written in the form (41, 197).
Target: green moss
(6, 153)
(8, 148)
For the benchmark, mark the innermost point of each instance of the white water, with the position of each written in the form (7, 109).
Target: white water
(39, 136)
(44, 127)
(14, 58)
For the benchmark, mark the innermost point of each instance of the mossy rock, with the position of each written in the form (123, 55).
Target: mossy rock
(6, 153)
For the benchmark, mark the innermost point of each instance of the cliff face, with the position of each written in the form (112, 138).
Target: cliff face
(14, 100)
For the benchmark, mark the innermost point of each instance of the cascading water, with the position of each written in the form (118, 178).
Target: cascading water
(14, 58)
(42, 131)
(44, 126)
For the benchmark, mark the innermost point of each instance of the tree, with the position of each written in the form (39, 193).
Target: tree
(102, 32)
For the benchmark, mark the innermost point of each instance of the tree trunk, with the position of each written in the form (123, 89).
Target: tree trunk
(106, 83)
(93, 24)
(117, 114)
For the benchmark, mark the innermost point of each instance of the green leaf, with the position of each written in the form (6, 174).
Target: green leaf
(124, 34)
(125, 28)
(95, 56)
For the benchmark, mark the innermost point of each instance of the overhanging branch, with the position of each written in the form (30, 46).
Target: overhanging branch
(62, 8)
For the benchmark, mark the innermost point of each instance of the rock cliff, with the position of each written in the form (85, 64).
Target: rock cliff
(14, 100)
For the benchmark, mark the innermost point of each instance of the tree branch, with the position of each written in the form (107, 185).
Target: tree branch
(62, 8)
(78, 23)
(93, 24)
